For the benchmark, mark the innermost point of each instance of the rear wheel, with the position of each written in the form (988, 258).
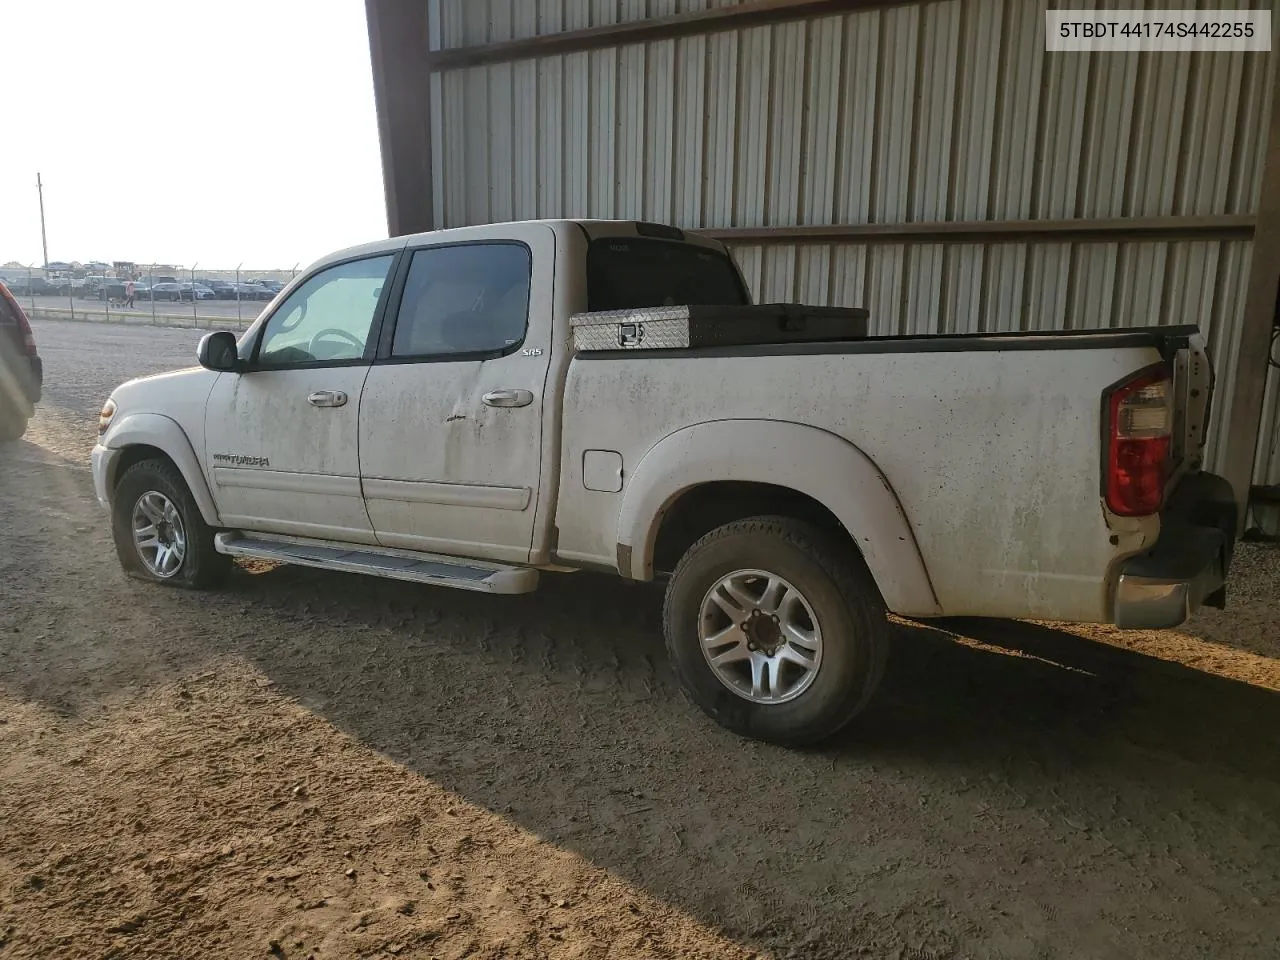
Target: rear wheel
(776, 630)
(159, 533)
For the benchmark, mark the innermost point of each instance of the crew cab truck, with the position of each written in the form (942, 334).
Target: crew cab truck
(416, 408)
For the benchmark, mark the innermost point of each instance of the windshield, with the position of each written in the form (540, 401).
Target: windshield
(628, 272)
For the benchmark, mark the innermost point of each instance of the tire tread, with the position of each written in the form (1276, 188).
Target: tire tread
(203, 566)
(846, 568)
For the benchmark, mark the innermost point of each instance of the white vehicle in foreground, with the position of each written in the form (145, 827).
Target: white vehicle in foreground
(454, 409)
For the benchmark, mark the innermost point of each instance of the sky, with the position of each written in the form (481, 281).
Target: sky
(187, 132)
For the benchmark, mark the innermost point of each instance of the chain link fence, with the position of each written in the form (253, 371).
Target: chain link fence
(147, 293)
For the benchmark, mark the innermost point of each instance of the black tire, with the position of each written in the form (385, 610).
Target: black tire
(202, 566)
(835, 582)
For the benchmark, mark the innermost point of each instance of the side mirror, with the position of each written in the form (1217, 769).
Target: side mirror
(218, 351)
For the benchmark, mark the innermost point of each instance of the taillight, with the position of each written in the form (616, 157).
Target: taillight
(28, 338)
(1138, 434)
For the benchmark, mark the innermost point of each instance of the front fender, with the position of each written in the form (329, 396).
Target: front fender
(155, 430)
(806, 459)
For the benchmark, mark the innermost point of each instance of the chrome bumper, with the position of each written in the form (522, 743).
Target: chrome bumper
(1187, 567)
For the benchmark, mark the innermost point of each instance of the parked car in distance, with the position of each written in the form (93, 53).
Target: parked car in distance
(167, 290)
(21, 370)
(256, 291)
(222, 289)
(90, 286)
(479, 407)
(33, 286)
(111, 289)
(176, 292)
(117, 289)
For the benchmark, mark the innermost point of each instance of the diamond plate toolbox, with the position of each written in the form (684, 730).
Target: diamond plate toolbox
(681, 327)
(649, 328)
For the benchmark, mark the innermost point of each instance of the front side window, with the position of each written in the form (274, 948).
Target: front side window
(466, 299)
(327, 318)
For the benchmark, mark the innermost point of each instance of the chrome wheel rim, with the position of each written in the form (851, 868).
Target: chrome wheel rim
(158, 534)
(760, 636)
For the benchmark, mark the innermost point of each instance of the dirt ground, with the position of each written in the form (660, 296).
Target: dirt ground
(318, 765)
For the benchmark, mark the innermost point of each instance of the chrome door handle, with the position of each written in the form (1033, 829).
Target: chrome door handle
(327, 398)
(508, 398)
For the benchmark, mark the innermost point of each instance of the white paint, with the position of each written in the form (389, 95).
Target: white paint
(994, 456)
(266, 414)
(969, 480)
(792, 455)
(426, 424)
(602, 471)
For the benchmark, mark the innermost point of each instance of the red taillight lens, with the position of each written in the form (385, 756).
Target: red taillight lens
(1139, 429)
(28, 338)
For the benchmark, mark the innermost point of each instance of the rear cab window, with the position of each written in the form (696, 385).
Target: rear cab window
(627, 273)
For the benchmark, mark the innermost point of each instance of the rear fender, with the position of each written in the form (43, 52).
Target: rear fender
(806, 459)
(154, 430)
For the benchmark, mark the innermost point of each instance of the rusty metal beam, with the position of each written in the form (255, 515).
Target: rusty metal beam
(398, 47)
(753, 13)
(1112, 230)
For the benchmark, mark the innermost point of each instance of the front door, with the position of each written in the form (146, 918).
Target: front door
(281, 440)
(451, 420)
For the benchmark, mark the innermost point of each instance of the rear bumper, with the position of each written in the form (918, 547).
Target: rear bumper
(1187, 567)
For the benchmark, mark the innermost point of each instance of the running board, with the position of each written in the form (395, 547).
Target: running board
(427, 568)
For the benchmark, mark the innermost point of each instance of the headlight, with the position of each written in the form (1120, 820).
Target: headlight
(106, 415)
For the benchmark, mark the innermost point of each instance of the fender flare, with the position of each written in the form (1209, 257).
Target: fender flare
(803, 458)
(163, 433)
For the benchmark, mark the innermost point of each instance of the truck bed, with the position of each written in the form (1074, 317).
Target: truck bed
(990, 443)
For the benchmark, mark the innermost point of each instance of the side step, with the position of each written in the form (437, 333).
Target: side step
(428, 568)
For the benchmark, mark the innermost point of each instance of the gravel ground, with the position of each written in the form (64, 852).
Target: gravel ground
(318, 765)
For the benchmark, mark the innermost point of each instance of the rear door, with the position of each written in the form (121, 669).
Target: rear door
(451, 418)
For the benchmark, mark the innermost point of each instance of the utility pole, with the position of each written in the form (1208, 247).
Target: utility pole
(44, 240)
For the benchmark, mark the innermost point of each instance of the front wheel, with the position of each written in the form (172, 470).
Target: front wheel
(159, 533)
(776, 629)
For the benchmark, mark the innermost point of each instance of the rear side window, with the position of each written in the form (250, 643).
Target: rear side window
(625, 273)
(467, 299)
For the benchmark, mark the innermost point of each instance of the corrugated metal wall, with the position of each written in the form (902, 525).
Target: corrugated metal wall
(925, 112)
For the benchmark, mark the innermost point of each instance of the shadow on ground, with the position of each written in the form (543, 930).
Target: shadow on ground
(1012, 785)
(989, 762)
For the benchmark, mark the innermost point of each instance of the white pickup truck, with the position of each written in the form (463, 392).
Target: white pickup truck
(416, 408)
